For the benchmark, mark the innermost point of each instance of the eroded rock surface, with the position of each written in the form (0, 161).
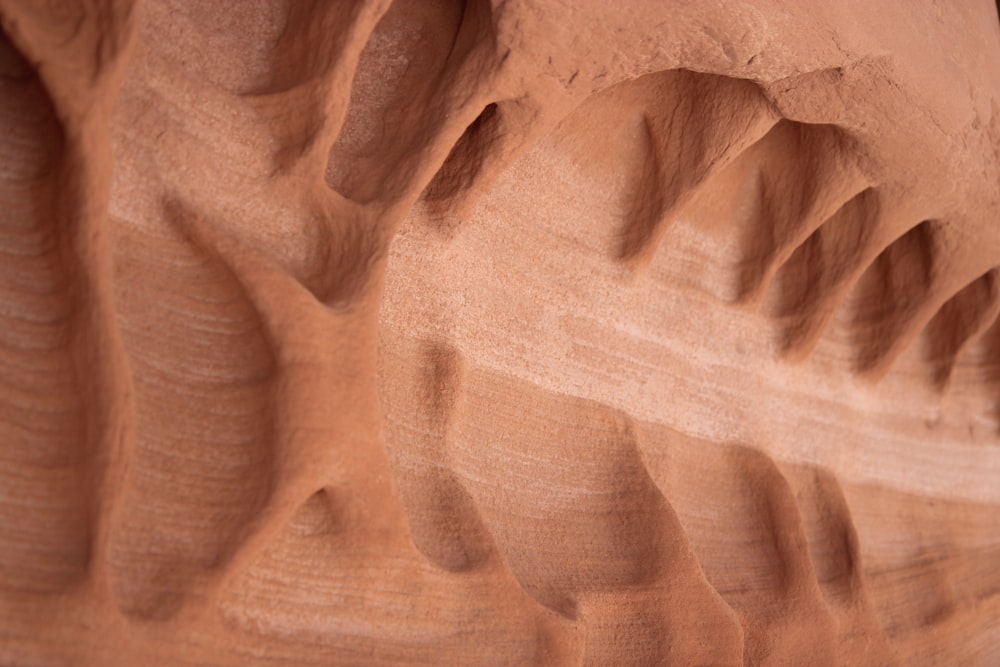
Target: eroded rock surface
(441, 332)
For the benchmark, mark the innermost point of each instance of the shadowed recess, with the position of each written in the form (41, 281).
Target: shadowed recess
(317, 516)
(927, 572)
(730, 115)
(804, 174)
(396, 93)
(467, 157)
(203, 392)
(964, 316)
(43, 496)
(747, 535)
(890, 292)
(814, 280)
(305, 94)
(421, 391)
(519, 452)
(984, 356)
(347, 251)
(312, 593)
(835, 553)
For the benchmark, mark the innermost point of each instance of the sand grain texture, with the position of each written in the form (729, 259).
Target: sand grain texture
(465, 333)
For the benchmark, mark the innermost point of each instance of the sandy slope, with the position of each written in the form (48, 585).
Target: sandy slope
(537, 333)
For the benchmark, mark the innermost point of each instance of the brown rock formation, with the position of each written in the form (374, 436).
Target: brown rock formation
(440, 332)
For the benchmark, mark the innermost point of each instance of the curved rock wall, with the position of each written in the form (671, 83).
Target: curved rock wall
(440, 332)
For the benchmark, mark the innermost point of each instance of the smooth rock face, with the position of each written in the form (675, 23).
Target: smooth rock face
(554, 333)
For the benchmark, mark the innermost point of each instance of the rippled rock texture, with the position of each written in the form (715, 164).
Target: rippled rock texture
(554, 333)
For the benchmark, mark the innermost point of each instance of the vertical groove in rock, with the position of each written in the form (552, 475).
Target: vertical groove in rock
(426, 54)
(893, 293)
(204, 383)
(444, 521)
(45, 540)
(961, 319)
(805, 175)
(731, 114)
(80, 55)
(815, 278)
